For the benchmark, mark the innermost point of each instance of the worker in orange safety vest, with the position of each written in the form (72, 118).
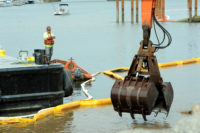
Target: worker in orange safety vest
(48, 43)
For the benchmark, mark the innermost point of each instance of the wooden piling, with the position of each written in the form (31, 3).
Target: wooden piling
(196, 2)
(137, 11)
(117, 10)
(132, 9)
(159, 9)
(163, 10)
(190, 10)
(122, 11)
(156, 8)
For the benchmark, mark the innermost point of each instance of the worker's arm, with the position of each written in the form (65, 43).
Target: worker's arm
(52, 36)
(46, 36)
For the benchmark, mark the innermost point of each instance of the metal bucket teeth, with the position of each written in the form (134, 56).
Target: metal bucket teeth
(140, 96)
(142, 90)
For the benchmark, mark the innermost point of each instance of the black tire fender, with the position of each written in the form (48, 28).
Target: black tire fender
(67, 83)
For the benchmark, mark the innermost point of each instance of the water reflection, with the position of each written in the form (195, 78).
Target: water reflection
(151, 125)
(78, 89)
(61, 122)
(77, 85)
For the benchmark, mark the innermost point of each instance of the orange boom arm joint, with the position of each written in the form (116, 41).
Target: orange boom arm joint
(147, 15)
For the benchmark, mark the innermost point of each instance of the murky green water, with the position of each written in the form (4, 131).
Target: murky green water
(91, 36)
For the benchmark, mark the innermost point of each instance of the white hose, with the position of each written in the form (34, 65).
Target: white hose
(86, 82)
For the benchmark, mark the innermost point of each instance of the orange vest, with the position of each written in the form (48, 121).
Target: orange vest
(49, 42)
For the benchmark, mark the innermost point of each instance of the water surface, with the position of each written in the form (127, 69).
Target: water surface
(91, 36)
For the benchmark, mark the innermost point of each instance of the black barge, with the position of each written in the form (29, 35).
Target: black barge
(29, 87)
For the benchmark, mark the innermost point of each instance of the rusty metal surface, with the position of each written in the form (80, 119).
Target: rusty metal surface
(168, 94)
(143, 88)
(136, 97)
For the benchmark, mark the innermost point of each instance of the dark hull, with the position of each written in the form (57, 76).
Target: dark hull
(32, 88)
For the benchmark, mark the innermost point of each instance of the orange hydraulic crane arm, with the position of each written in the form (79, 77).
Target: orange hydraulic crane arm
(147, 16)
(147, 12)
(143, 89)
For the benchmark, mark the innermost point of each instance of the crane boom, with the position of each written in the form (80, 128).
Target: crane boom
(143, 89)
(147, 12)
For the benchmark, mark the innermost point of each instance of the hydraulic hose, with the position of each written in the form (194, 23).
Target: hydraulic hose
(165, 33)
